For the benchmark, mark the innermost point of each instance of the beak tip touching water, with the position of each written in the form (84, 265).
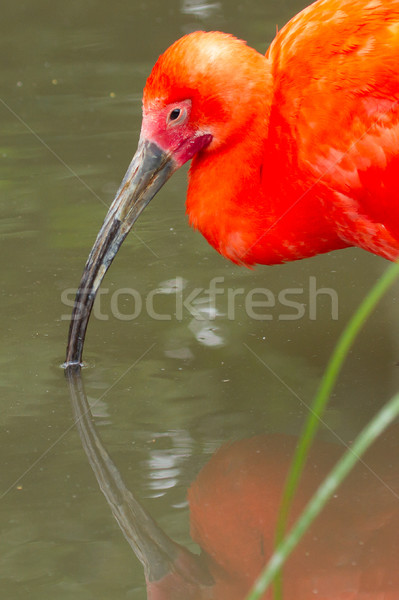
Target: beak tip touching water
(150, 168)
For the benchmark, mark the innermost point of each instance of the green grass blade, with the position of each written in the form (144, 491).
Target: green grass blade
(369, 434)
(328, 381)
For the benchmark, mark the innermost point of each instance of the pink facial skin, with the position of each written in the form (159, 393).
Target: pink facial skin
(170, 128)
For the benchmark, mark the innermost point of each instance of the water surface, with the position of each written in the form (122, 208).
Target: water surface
(165, 393)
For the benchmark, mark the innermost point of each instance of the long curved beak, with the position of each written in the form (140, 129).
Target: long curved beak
(150, 168)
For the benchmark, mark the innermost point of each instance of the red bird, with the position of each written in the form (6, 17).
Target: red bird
(293, 154)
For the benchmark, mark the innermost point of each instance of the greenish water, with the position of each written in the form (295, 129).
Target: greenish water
(167, 393)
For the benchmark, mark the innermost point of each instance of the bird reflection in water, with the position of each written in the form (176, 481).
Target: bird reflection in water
(350, 553)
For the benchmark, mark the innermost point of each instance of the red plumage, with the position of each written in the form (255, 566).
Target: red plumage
(305, 143)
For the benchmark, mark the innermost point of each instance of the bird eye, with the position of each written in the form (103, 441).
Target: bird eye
(175, 114)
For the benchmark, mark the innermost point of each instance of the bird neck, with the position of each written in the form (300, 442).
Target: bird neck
(254, 204)
(222, 186)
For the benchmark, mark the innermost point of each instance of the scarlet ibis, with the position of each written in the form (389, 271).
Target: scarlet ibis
(349, 553)
(293, 153)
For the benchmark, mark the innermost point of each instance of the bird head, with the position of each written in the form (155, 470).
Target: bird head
(202, 93)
